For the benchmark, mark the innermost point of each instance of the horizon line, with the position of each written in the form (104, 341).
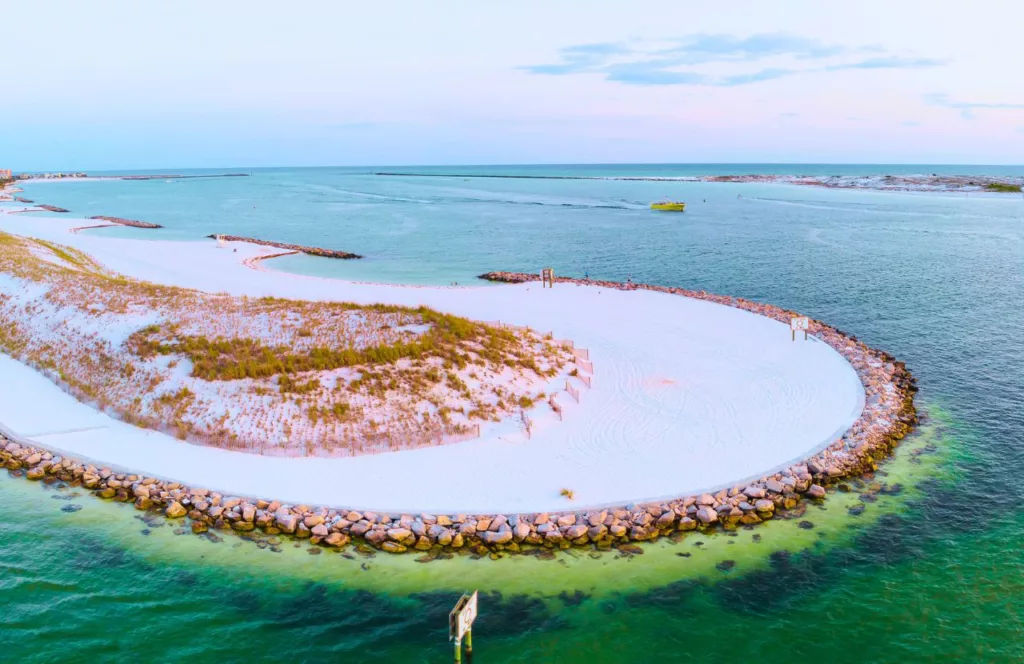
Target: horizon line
(522, 164)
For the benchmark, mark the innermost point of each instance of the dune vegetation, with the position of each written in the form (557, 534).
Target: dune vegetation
(1003, 188)
(268, 375)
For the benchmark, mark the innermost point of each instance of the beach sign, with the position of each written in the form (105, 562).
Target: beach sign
(800, 323)
(460, 624)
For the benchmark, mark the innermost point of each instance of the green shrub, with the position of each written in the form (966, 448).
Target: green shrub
(1003, 187)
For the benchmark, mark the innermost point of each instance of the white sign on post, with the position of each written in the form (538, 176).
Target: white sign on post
(799, 323)
(460, 620)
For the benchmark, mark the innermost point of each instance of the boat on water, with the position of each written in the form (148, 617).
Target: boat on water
(668, 206)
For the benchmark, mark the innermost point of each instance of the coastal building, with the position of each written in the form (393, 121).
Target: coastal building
(5, 174)
(48, 176)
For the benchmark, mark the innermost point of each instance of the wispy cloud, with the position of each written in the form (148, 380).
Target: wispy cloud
(755, 77)
(644, 73)
(889, 62)
(967, 108)
(673, 61)
(703, 48)
(581, 58)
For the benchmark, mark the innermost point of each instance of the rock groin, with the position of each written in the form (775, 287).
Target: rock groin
(127, 222)
(52, 208)
(312, 251)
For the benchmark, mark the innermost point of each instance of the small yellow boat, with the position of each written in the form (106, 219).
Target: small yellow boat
(669, 206)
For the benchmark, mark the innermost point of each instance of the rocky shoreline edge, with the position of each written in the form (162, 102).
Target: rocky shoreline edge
(312, 251)
(889, 415)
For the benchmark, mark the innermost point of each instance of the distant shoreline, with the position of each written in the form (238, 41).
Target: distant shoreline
(918, 183)
(167, 176)
(921, 183)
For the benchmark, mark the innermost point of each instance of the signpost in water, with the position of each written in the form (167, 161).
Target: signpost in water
(460, 623)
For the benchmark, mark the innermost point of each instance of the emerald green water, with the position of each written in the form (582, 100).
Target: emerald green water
(930, 572)
(102, 583)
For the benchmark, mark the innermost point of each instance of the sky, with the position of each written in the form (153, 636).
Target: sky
(106, 85)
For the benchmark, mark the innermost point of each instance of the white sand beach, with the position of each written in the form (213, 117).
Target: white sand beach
(687, 396)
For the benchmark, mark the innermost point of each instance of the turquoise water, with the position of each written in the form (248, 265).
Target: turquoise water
(930, 574)
(440, 229)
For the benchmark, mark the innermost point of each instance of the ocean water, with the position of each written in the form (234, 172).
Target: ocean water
(930, 572)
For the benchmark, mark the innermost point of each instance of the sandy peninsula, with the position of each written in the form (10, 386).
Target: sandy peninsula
(687, 396)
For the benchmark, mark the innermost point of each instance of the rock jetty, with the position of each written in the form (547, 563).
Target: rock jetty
(52, 208)
(888, 416)
(312, 251)
(127, 222)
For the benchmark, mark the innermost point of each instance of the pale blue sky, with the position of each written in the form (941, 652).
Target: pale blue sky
(119, 85)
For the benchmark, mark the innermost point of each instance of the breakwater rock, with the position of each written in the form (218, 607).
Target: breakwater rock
(19, 199)
(888, 416)
(127, 222)
(312, 251)
(52, 208)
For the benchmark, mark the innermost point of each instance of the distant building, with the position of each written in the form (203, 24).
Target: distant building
(5, 174)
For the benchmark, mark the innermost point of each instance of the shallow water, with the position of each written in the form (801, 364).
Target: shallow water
(932, 573)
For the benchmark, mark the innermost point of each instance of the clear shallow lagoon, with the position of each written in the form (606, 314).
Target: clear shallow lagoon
(930, 574)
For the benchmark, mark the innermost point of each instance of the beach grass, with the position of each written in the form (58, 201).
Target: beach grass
(247, 373)
(1003, 187)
